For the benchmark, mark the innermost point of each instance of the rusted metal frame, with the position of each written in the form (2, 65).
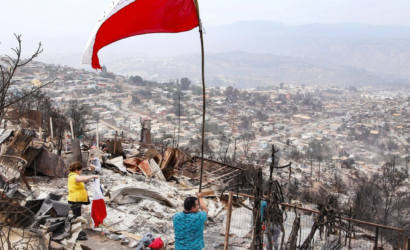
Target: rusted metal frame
(229, 178)
(228, 221)
(194, 158)
(21, 170)
(190, 159)
(14, 157)
(227, 175)
(219, 169)
(220, 177)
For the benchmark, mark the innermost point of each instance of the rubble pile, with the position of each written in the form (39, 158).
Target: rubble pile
(142, 190)
(142, 193)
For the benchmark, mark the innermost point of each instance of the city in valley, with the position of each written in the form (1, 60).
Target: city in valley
(340, 141)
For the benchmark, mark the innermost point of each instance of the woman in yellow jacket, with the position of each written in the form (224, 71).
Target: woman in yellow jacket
(77, 194)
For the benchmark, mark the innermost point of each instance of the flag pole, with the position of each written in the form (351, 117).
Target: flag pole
(203, 93)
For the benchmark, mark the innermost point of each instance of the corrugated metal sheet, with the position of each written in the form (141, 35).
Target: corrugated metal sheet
(132, 165)
(35, 116)
(48, 163)
(156, 171)
(131, 194)
(152, 153)
(145, 168)
(4, 134)
(116, 165)
(20, 142)
(31, 115)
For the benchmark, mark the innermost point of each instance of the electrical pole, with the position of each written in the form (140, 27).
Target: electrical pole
(319, 159)
(173, 139)
(311, 171)
(179, 117)
(234, 151)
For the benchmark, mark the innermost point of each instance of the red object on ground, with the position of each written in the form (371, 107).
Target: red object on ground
(157, 243)
(136, 17)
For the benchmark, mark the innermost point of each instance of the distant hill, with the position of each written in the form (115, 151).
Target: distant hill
(244, 70)
(383, 50)
(379, 49)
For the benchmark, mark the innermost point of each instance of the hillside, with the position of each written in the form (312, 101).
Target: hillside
(243, 70)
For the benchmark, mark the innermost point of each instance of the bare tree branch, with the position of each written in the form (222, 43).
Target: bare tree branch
(7, 98)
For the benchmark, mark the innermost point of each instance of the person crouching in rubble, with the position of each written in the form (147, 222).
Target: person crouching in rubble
(95, 164)
(77, 194)
(189, 224)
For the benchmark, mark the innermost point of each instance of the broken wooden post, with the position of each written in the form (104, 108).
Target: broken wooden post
(51, 128)
(75, 147)
(228, 221)
(72, 130)
(399, 245)
(406, 245)
(65, 140)
(115, 142)
(376, 238)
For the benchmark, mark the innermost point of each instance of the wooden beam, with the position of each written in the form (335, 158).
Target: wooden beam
(228, 221)
(51, 127)
(219, 177)
(72, 130)
(115, 142)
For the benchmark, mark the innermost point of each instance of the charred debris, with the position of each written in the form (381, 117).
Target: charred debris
(33, 207)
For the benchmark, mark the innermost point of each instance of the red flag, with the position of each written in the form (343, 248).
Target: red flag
(98, 210)
(126, 18)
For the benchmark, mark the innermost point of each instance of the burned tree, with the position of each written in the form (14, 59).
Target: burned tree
(223, 147)
(246, 143)
(7, 97)
(390, 181)
(60, 125)
(79, 114)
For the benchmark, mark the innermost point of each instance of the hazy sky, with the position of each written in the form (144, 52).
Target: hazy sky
(65, 25)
